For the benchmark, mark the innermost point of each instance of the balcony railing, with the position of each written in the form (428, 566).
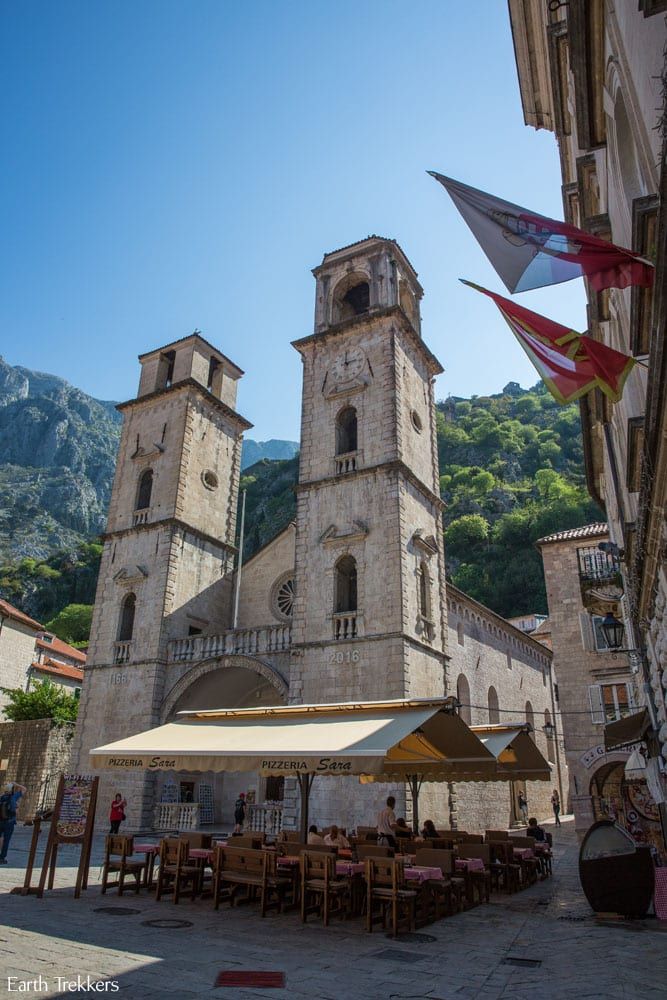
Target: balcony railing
(346, 463)
(122, 652)
(345, 625)
(600, 579)
(248, 641)
(141, 516)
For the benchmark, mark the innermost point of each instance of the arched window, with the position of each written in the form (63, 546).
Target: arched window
(126, 624)
(530, 718)
(424, 591)
(463, 695)
(144, 490)
(345, 597)
(346, 431)
(494, 713)
(351, 298)
(460, 634)
(551, 748)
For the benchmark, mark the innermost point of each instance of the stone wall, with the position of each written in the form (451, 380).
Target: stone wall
(30, 752)
(259, 576)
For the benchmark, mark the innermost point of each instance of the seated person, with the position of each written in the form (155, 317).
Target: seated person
(429, 829)
(402, 829)
(313, 836)
(535, 831)
(335, 838)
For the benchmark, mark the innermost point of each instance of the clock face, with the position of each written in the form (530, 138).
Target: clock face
(349, 365)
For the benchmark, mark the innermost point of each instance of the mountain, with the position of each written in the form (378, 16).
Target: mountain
(273, 450)
(57, 454)
(511, 470)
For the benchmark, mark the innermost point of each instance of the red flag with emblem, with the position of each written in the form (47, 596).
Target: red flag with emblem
(569, 363)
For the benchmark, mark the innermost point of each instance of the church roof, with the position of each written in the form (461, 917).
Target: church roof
(596, 530)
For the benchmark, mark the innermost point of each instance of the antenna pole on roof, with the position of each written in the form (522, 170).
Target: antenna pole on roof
(239, 565)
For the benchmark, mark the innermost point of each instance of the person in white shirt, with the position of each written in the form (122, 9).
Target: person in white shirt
(313, 836)
(335, 838)
(386, 822)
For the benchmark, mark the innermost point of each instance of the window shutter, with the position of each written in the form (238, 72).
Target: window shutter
(631, 696)
(587, 635)
(597, 706)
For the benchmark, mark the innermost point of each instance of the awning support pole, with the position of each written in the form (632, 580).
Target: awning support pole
(305, 784)
(415, 782)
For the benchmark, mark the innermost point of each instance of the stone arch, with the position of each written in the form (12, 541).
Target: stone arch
(463, 695)
(261, 668)
(351, 296)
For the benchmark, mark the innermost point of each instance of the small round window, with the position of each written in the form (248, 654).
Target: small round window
(210, 480)
(416, 421)
(282, 597)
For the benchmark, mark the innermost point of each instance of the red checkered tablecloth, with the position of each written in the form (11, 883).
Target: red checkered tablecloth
(421, 873)
(350, 868)
(470, 864)
(661, 893)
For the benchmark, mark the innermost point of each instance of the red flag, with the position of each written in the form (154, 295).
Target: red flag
(569, 363)
(530, 250)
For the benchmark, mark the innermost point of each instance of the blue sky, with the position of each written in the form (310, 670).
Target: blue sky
(177, 165)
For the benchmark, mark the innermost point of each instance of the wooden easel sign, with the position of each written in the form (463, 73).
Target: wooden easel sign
(72, 823)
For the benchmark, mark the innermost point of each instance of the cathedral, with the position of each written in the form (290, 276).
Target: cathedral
(347, 603)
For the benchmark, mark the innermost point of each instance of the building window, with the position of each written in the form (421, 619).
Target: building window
(424, 591)
(346, 431)
(460, 635)
(351, 298)
(509, 660)
(530, 717)
(282, 597)
(144, 490)
(635, 446)
(494, 711)
(126, 626)
(644, 241)
(210, 480)
(345, 598)
(610, 702)
(463, 695)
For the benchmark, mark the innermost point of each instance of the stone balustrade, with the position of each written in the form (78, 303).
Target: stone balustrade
(176, 816)
(345, 625)
(122, 652)
(266, 817)
(251, 641)
(346, 463)
(141, 516)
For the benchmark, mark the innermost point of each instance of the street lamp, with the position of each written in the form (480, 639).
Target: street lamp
(549, 730)
(613, 631)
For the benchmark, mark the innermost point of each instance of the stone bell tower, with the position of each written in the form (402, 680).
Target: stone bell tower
(369, 619)
(169, 547)
(369, 616)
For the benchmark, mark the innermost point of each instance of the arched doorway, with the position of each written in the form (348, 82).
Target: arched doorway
(229, 682)
(627, 803)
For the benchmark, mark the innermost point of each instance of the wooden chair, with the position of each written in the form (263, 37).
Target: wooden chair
(364, 851)
(367, 833)
(288, 836)
(478, 881)
(530, 867)
(317, 848)
(220, 890)
(386, 885)
(318, 878)
(118, 858)
(196, 839)
(176, 869)
(254, 841)
(503, 867)
(441, 843)
(495, 835)
(470, 838)
(245, 868)
(450, 893)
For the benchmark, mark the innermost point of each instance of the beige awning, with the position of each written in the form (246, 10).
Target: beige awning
(516, 754)
(390, 739)
(630, 729)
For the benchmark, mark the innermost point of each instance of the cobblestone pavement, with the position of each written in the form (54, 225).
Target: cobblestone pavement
(549, 923)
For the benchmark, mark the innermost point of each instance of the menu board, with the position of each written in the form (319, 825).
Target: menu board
(74, 806)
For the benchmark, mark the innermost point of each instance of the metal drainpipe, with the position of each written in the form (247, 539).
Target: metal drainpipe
(563, 804)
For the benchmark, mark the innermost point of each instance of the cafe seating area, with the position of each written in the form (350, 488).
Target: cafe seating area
(417, 882)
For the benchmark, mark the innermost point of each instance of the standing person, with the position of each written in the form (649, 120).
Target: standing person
(117, 813)
(239, 813)
(11, 793)
(523, 806)
(386, 823)
(555, 805)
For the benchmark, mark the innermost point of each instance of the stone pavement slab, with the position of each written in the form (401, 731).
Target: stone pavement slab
(59, 936)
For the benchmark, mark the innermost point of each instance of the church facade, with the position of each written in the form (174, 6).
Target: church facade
(349, 602)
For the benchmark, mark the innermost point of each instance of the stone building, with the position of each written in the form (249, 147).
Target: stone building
(18, 634)
(596, 686)
(594, 73)
(347, 603)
